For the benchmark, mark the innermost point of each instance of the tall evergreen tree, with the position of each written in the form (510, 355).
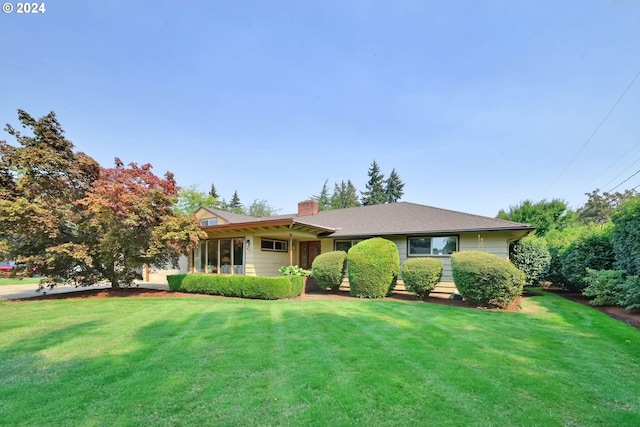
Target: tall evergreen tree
(375, 193)
(394, 188)
(323, 199)
(344, 196)
(234, 204)
(213, 193)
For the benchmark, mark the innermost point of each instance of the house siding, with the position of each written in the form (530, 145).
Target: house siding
(493, 243)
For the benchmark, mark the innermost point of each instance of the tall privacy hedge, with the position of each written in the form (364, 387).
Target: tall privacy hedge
(329, 269)
(532, 257)
(626, 236)
(593, 249)
(486, 279)
(238, 286)
(374, 265)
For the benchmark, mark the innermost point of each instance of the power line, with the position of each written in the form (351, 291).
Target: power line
(637, 172)
(592, 135)
(607, 168)
(616, 177)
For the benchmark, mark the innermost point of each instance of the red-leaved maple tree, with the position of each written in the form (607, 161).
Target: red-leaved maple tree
(74, 221)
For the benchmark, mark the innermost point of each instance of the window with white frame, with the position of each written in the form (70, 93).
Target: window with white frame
(208, 222)
(274, 245)
(432, 246)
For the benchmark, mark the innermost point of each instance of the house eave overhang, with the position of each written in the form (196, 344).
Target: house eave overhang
(276, 224)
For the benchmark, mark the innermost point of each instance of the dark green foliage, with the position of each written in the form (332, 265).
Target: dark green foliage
(375, 193)
(626, 236)
(486, 279)
(532, 256)
(394, 187)
(593, 249)
(373, 266)
(421, 275)
(631, 293)
(234, 204)
(329, 269)
(213, 193)
(544, 215)
(558, 242)
(605, 286)
(175, 281)
(323, 199)
(344, 196)
(243, 286)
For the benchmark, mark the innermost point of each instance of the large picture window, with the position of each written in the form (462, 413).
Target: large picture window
(432, 246)
(225, 256)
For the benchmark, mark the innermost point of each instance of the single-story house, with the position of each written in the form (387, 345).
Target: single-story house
(240, 244)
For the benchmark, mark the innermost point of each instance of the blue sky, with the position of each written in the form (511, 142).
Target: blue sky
(477, 105)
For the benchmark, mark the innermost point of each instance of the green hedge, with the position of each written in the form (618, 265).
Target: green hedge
(175, 281)
(329, 269)
(374, 265)
(626, 236)
(242, 286)
(593, 249)
(532, 256)
(421, 275)
(486, 279)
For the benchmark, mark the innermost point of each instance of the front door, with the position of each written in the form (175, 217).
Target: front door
(308, 252)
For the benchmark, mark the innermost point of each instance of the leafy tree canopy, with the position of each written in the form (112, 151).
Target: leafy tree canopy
(544, 215)
(600, 207)
(261, 208)
(72, 220)
(190, 199)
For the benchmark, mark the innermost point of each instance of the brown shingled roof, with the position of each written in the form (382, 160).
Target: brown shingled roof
(402, 218)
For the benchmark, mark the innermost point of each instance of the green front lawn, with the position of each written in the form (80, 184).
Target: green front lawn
(210, 361)
(18, 281)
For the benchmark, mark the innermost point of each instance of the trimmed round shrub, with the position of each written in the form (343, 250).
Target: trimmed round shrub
(593, 249)
(175, 281)
(486, 279)
(374, 265)
(532, 257)
(328, 269)
(421, 275)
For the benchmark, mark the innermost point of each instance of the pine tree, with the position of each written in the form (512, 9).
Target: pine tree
(323, 199)
(394, 188)
(234, 204)
(375, 193)
(213, 193)
(344, 196)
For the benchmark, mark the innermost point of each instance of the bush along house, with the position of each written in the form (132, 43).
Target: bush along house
(240, 244)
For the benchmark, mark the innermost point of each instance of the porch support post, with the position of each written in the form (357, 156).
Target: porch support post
(290, 249)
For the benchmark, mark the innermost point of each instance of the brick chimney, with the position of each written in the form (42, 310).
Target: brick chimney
(308, 207)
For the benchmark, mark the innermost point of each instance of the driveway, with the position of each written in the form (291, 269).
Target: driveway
(28, 291)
